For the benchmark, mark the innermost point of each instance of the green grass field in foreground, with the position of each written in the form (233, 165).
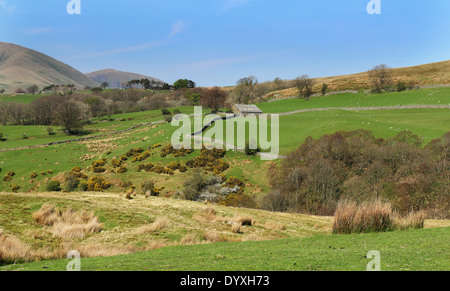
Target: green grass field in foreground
(413, 250)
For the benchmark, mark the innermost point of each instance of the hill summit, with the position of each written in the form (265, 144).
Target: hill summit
(21, 67)
(117, 79)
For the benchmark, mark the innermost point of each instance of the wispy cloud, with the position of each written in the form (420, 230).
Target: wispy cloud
(177, 28)
(39, 30)
(122, 50)
(4, 5)
(231, 4)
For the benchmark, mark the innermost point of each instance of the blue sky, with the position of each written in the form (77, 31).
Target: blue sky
(217, 42)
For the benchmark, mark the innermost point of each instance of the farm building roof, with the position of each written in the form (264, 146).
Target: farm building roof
(248, 108)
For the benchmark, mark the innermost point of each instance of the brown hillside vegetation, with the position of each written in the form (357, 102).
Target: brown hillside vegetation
(423, 75)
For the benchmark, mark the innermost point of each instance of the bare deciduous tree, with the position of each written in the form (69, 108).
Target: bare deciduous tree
(380, 78)
(214, 99)
(305, 86)
(68, 115)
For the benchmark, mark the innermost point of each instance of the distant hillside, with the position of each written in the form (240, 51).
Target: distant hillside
(423, 75)
(116, 79)
(21, 67)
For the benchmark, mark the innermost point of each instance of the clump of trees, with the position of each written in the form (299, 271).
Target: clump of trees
(359, 167)
(184, 84)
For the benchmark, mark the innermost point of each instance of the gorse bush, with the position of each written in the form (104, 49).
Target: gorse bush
(210, 160)
(8, 177)
(15, 188)
(141, 157)
(180, 153)
(134, 152)
(145, 167)
(97, 184)
(116, 163)
(149, 189)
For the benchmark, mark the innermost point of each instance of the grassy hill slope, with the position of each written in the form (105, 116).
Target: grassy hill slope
(423, 75)
(21, 67)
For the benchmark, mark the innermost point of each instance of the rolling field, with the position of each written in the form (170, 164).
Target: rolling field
(214, 242)
(431, 96)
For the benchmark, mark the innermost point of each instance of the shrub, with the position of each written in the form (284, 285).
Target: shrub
(194, 185)
(33, 175)
(99, 170)
(97, 184)
(401, 86)
(238, 199)
(174, 166)
(126, 184)
(157, 169)
(76, 171)
(8, 176)
(83, 186)
(53, 186)
(165, 111)
(122, 170)
(141, 157)
(71, 182)
(356, 165)
(168, 118)
(50, 131)
(116, 163)
(134, 152)
(43, 173)
(210, 160)
(50, 172)
(15, 188)
(233, 181)
(98, 163)
(167, 150)
(250, 150)
(145, 167)
(168, 171)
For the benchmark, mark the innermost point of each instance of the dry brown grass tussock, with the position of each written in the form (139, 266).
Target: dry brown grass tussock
(274, 225)
(159, 224)
(13, 250)
(372, 216)
(67, 224)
